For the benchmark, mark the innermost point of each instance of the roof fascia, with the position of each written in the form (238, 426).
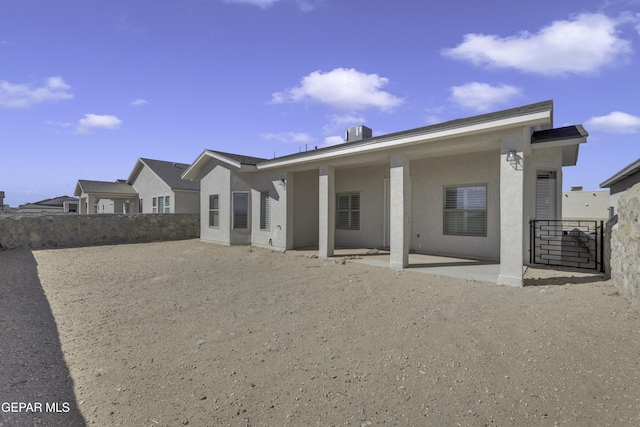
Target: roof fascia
(631, 169)
(192, 171)
(378, 144)
(135, 171)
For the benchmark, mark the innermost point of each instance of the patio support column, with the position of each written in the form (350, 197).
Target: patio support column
(327, 214)
(399, 225)
(511, 213)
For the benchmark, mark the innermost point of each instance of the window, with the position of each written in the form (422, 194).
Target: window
(240, 210)
(155, 205)
(264, 210)
(167, 204)
(140, 206)
(214, 211)
(465, 210)
(348, 211)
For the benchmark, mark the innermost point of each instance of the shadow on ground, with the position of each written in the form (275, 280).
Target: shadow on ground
(558, 276)
(32, 367)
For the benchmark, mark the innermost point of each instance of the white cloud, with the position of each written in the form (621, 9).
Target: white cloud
(260, 3)
(98, 121)
(25, 95)
(138, 102)
(339, 123)
(289, 137)
(581, 45)
(615, 122)
(304, 5)
(341, 88)
(482, 97)
(59, 124)
(333, 140)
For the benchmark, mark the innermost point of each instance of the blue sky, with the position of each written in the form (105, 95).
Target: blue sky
(89, 86)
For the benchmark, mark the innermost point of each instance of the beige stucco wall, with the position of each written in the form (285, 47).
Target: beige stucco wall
(587, 205)
(429, 177)
(275, 184)
(216, 179)
(305, 208)
(149, 185)
(369, 182)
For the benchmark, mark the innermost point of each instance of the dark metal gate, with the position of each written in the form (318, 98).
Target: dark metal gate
(578, 244)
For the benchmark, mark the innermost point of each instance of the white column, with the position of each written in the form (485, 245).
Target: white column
(91, 200)
(327, 214)
(399, 227)
(512, 227)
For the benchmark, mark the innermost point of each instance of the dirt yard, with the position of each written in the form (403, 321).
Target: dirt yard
(189, 333)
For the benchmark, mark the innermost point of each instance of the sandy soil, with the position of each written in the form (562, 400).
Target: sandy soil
(189, 333)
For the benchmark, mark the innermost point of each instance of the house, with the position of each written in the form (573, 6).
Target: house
(161, 189)
(619, 183)
(106, 197)
(154, 186)
(590, 205)
(464, 188)
(62, 204)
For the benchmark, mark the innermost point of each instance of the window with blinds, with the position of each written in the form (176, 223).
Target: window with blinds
(264, 210)
(348, 211)
(465, 210)
(214, 211)
(240, 210)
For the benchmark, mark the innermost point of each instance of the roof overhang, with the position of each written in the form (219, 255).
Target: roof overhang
(193, 172)
(626, 172)
(568, 138)
(411, 138)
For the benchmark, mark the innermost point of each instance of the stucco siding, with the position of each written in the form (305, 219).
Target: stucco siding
(186, 201)
(216, 179)
(369, 183)
(274, 235)
(149, 185)
(305, 208)
(429, 177)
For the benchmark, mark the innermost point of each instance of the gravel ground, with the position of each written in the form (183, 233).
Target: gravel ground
(189, 333)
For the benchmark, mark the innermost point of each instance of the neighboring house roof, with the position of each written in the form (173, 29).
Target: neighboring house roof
(55, 202)
(626, 172)
(169, 172)
(114, 189)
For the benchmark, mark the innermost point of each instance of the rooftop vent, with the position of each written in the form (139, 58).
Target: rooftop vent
(358, 133)
(576, 188)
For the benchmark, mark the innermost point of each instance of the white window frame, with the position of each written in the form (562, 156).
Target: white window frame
(350, 213)
(464, 208)
(155, 205)
(235, 214)
(167, 204)
(214, 210)
(265, 211)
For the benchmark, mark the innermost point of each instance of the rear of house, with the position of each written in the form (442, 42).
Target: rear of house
(464, 188)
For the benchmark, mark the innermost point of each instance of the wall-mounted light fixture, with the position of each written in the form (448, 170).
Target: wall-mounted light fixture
(512, 158)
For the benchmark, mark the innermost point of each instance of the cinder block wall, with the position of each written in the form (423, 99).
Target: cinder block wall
(625, 247)
(41, 231)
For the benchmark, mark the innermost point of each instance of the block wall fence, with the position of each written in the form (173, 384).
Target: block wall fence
(46, 231)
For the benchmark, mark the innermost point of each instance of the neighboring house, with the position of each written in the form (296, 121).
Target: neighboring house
(579, 204)
(464, 188)
(154, 186)
(619, 183)
(106, 197)
(161, 189)
(62, 204)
